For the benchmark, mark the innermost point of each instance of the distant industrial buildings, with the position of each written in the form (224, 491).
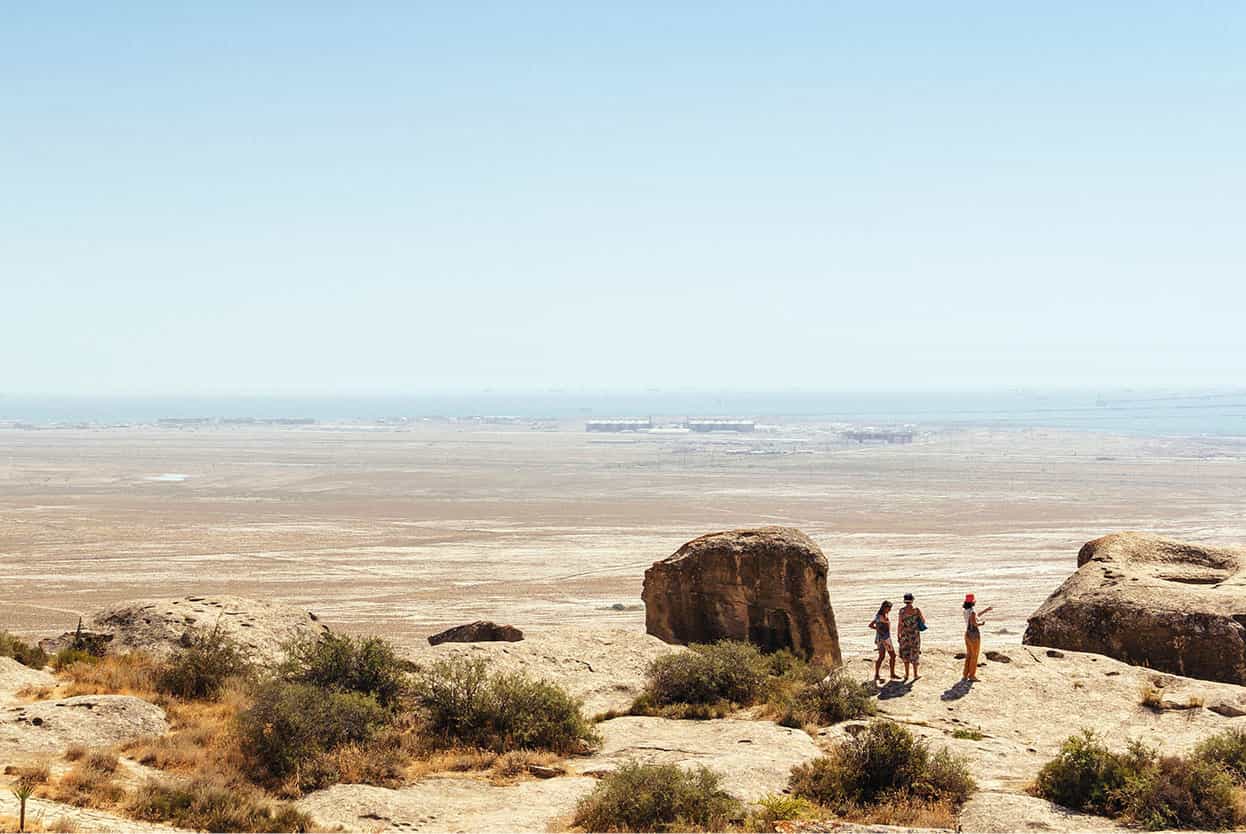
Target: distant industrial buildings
(697, 424)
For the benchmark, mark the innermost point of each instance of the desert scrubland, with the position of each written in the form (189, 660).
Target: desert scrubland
(402, 531)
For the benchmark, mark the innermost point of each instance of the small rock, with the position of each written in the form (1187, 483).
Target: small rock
(545, 772)
(998, 657)
(1055, 653)
(1227, 709)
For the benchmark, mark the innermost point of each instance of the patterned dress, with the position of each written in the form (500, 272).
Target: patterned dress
(910, 635)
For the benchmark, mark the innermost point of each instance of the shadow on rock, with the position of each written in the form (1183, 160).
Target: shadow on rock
(894, 689)
(957, 691)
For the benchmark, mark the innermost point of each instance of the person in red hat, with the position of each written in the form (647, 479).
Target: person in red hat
(973, 637)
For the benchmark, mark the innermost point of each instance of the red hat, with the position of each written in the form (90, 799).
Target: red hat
(969, 598)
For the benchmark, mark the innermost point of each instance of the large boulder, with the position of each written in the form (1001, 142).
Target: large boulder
(766, 586)
(481, 631)
(160, 626)
(1148, 601)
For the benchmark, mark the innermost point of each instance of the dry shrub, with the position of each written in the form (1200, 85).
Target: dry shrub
(726, 671)
(74, 752)
(213, 805)
(462, 705)
(91, 783)
(201, 670)
(516, 763)
(62, 825)
(114, 674)
(381, 760)
(885, 766)
(36, 693)
(21, 651)
(776, 808)
(658, 797)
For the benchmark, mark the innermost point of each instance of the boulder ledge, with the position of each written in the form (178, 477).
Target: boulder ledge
(481, 631)
(766, 586)
(1168, 605)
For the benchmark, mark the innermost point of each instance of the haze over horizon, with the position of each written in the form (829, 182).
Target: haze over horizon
(401, 199)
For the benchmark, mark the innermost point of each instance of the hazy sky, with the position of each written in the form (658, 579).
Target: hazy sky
(351, 197)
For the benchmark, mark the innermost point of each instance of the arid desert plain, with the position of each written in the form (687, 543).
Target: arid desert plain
(405, 530)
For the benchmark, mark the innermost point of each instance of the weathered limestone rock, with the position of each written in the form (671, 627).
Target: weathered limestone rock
(160, 626)
(766, 586)
(1148, 601)
(481, 631)
(89, 720)
(449, 803)
(755, 758)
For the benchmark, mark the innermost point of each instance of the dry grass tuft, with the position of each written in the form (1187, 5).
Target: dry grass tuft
(454, 760)
(518, 763)
(905, 812)
(114, 674)
(92, 783)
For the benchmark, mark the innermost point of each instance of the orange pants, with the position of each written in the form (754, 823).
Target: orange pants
(973, 643)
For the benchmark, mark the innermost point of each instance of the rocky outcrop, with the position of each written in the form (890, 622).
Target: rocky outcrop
(88, 720)
(481, 631)
(755, 758)
(605, 667)
(15, 678)
(1148, 601)
(766, 586)
(160, 626)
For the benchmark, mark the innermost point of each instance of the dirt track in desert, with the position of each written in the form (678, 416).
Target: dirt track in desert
(404, 531)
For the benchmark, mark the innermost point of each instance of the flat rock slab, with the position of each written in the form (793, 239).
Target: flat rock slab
(1026, 708)
(89, 720)
(160, 626)
(755, 758)
(15, 677)
(604, 667)
(452, 803)
(990, 811)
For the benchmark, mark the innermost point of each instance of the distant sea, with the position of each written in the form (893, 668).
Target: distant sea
(1139, 412)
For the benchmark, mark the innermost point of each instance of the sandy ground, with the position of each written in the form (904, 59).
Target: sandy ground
(405, 531)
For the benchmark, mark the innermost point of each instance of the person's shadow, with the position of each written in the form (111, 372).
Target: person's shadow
(894, 689)
(957, 691)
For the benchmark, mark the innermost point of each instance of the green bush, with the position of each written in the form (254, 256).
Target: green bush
(1227, 750)
(654, 797)
(203, 805)
(201, 670)
(291, 724)
(883, 762)
(1196, 792)
(462, 704)
(1087, 776)
(1186, 793)
(21, 651)
(367, 665)
(68, 656)
(708, 674)
(837, 697)
(777, 807)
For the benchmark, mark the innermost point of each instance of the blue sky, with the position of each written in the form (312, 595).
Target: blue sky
(409, 197)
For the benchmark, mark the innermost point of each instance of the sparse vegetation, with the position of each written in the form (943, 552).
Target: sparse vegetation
(206, 805)
(967, 734)
(201, 670)
(341, 663)
(776, 808)
(118, 674)
(654, 797)
(91, 783)
(1227, 750)
(712, 681)
(1139, 786)
(885, 771)
(21, 651)
(723, 672)
(462, 705)
(293, 724)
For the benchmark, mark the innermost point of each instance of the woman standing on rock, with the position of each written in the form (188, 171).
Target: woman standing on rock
(912, 623)
(973, 638)
(882, 639)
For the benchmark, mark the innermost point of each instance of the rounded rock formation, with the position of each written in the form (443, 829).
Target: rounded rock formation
(481, 631)
(1167, 605)
(766, 586)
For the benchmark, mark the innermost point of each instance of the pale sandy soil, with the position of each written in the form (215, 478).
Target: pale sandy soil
(404, 532)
